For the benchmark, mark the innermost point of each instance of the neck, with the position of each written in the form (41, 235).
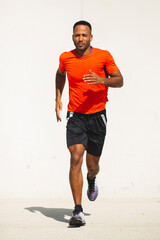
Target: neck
(85, 52)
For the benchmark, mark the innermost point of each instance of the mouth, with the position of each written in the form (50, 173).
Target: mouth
(80, 44)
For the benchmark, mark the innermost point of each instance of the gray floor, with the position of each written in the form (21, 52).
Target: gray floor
(110, 219)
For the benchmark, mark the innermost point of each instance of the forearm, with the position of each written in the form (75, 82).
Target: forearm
(60, 82)
(114, 82)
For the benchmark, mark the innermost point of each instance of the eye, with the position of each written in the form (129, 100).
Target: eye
(85, 35)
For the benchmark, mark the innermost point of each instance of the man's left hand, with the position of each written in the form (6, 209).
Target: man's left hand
(93, 78)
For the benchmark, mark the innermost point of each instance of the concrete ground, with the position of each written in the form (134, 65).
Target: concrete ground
(110, 219)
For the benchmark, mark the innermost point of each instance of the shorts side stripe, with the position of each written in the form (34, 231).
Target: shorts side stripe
(70, 115)
(103, 118)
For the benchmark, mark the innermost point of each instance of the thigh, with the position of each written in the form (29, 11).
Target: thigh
(76, 130)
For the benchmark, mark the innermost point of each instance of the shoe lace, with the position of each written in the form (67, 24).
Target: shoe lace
(91, 185)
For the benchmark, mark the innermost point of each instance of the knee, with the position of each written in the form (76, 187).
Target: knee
(93, 167)
(92, 164)
(76, 160)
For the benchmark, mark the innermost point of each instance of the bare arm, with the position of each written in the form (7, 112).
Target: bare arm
(60, 82)
(114, 80)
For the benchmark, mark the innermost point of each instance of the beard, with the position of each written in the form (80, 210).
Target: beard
(82, 46)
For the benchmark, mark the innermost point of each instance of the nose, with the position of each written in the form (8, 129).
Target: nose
(80, 38)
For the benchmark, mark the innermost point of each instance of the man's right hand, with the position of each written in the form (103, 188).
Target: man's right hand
(58, 109)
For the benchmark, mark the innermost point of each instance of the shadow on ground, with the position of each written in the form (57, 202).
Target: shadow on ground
(59, 214)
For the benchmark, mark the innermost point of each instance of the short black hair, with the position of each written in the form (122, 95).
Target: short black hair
(82, 22)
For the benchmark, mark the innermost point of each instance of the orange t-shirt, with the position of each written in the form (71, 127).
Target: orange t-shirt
(84, 98)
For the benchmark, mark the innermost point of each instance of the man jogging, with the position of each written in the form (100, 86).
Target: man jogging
(90, 71)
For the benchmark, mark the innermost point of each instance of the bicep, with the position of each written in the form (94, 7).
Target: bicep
(116, 74)
(61, 73)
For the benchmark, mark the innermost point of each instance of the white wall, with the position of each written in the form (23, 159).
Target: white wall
(33, 154)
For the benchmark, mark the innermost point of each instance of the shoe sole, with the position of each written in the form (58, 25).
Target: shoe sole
(76, 222)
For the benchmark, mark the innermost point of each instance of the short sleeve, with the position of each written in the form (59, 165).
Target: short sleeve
(62, 63)
(110, 64)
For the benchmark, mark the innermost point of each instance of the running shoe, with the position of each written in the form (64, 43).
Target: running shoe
(92, 191)
(77, 219)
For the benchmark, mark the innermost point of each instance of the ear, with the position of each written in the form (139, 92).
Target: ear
(91, 38)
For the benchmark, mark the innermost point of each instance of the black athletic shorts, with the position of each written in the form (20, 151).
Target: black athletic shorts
(87, 129)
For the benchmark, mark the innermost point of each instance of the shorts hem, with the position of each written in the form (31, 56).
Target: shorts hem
(96, 155)
(76, 144)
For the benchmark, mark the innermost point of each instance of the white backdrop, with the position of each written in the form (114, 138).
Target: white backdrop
(33, 155)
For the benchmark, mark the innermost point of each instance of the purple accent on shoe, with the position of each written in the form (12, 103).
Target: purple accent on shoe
(92, 191)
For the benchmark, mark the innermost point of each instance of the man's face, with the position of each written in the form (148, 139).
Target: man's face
(82, 37)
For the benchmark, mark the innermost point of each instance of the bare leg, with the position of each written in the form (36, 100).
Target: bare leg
(75, 175)
(92, 165)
